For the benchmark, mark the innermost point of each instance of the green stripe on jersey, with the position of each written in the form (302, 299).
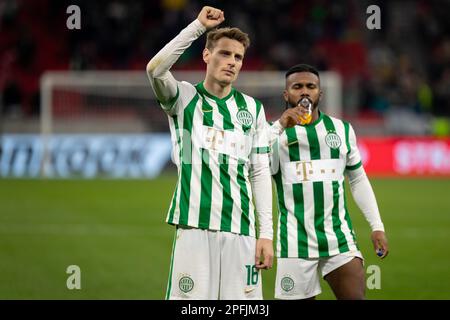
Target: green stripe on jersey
(227, 199)
(207, 114)
(223, 110)
(313, 141)
(186, 167)
(342, 242)
(245, 200)
(221, 104)
(299, 212)
(347, 135)
(205, 193)
(319, 217)
(356, 166)
(293, 144)
(283, 215)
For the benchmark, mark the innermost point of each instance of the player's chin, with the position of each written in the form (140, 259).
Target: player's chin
(228, 79)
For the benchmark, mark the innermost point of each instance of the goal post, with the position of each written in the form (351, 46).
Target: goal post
(122, 101)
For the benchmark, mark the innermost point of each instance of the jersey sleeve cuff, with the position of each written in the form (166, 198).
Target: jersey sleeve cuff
(266, 235)
(277, 127)
(198, 27)
(378, 227)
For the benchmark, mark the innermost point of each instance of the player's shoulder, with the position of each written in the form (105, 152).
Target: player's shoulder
(338, 120)
(246, 96)
(186, 88)
(187, 84)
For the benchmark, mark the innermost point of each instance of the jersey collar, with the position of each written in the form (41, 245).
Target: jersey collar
(313, 124)
(202, 90)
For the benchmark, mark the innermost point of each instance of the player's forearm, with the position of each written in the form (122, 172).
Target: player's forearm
(167, 56)
(163, 83)
(365, 198)
(262, 191)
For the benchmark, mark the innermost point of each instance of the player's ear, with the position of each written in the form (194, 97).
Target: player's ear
(206, 55)
(285, 95)
(320, 95)
(286, 99)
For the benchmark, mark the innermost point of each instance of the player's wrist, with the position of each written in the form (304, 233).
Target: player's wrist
(378, 227)
(265, 236)
(278, 126)
(197, 27)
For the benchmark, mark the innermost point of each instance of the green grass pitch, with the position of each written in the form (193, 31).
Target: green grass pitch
(114, 230)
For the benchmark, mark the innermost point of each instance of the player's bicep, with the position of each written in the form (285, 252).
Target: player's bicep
(353, 155)
(274, 158)
(174, 95)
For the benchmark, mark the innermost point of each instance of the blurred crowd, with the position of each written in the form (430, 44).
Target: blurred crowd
(401, 69)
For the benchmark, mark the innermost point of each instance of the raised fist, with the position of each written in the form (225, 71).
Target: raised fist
(210, 17)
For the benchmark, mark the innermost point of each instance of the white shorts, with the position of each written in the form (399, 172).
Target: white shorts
(299, 278)
(211, 265)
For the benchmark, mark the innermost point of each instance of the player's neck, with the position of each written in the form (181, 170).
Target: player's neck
(217, 89)
(315, 115)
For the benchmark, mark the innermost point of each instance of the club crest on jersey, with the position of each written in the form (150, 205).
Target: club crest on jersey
(244, 117)
(186, 284)
(332, 140)
(287, 284)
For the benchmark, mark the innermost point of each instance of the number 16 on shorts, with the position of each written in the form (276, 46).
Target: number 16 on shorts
(252, 274)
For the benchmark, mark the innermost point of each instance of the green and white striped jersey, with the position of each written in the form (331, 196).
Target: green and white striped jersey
(308, 165)
(214, 141)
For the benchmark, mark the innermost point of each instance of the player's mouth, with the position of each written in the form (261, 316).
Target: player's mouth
(229, 72)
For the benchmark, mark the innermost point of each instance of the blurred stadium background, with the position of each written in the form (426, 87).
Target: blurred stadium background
(85, 170)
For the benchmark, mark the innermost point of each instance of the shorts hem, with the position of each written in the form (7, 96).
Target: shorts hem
(298, 297)
(357, 255)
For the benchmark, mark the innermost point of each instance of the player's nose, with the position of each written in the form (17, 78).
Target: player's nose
(304, 94)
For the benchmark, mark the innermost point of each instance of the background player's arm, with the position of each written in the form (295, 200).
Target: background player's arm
(162, 81)
(364, 197)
